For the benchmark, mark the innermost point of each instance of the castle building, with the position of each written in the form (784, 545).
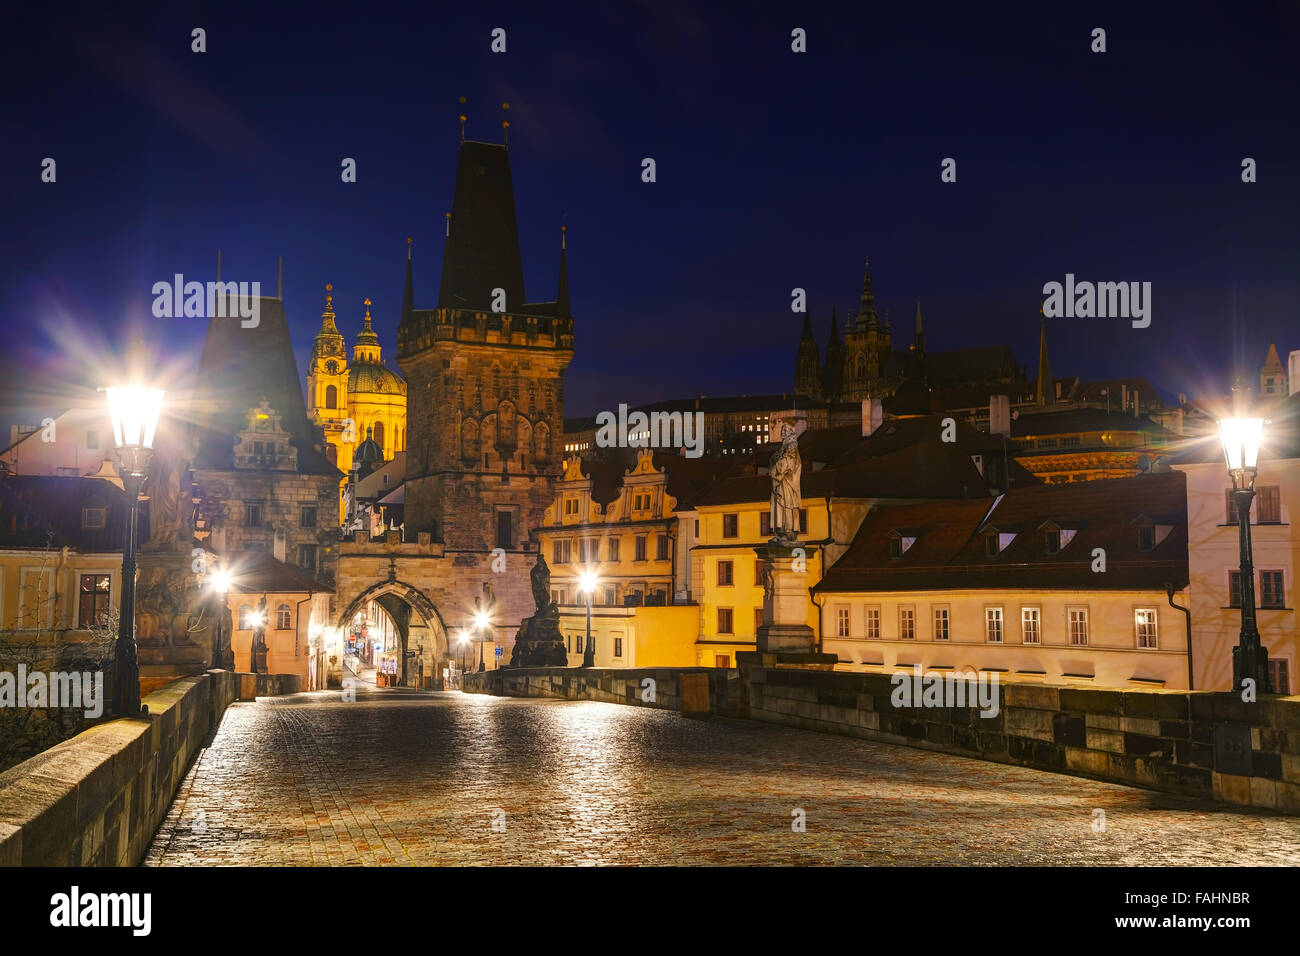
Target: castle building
(355, 400)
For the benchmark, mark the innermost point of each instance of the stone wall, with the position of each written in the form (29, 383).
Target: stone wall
(1163, 740)
(97, 799)
(674, 688)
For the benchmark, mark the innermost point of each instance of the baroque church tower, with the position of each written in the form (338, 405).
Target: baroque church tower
(485, 369)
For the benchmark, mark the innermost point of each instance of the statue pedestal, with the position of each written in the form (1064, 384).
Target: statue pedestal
(784, 638)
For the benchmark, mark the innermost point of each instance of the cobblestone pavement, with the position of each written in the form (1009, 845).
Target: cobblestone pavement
(419, 778)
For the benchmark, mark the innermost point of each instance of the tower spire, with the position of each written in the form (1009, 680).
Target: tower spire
(1045, 394)
(463, 117)
(408, 291)
(868, 321)
(562, 295)
(505, 124)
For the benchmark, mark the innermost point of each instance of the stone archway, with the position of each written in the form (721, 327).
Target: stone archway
(419, 625)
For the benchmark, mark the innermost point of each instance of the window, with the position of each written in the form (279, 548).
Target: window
(618, 647)
(307, 518)
(803, 520)
(1031, 625)
(842, 621)
(731, 526)
(1270, 589)
(990, 545)
(245, 617)
(560, 595)
(1051, 542)
(724, 620)
(872, 623)
(331, 397)
(584, 548)
(1279, 676)
(1268, 505)
(726, 575)
(307, 556)
(941, 623)
(1144, 620)
(252, 514)
(907, 623)
(93, 518)
(1234, 589)
(758, 619)
(640, 548)
(92, 607)
(570, 507)
(1232, 517)
(560, 551)
(697, 528)
(895, 547)
(611, 596)
(758, 572)
(613, 549)
(1146, 538)
(378, 434)
(765, 524)
(993, 625)
(92, 439)
(1078, 617)
(662, 548)
(505, 530)
(282, 617)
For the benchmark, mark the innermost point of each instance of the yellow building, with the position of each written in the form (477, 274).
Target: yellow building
(354, 400)
(296, 616)
(1057, 583)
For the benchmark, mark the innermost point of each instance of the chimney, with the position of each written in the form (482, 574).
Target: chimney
(873, 414)
(1000, 415)
(1136, 403)
(1293, 372)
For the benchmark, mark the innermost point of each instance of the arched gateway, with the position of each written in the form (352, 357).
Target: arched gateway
(419, 626)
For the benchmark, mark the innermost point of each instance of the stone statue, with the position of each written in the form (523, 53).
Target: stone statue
(785, 469)
(541, 577)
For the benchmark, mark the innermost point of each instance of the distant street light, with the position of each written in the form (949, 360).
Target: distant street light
(1241, 439)
(134, 412)
(587, 582)
(481, 624)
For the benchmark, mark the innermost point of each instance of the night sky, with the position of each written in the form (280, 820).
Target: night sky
(775, 170)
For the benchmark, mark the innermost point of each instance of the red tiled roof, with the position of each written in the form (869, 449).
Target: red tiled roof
(949, 551)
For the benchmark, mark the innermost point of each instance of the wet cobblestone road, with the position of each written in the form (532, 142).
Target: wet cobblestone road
(402, 778)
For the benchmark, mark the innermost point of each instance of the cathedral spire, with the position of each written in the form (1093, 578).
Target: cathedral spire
(1045, 394)
(918, 337)
(868, 321)
(562, 295)
(408, 292)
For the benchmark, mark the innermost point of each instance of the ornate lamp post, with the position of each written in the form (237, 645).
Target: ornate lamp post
(587, 584)
(221, 655)
(134, 413)
(1241, 439)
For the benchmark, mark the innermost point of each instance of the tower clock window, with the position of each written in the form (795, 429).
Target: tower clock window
(332, 368)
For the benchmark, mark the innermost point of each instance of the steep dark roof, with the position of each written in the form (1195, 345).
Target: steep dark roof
(989, 363)
(255, 572)
(1069, 421)
(41, 510)
(482, 252)
(239, 366)
(949, 551)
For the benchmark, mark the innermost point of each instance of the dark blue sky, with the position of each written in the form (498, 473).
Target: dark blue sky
(775, 170)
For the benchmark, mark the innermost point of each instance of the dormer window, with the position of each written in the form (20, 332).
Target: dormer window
(1056, 537)
(1147, 538)
(1152, 531)
(991, 545)
(1051, 542)
(900, 539)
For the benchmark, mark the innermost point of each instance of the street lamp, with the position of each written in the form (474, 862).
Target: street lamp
(1241, 439)
(221, 585)
(587, 584)
(134, 413)
(481, 624)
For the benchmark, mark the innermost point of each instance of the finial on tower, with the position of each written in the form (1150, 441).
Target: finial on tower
(563, 230)
(505, 121)
(448, 217)
(409, 240)
(367, 304)
(462, 120)
(329, 297)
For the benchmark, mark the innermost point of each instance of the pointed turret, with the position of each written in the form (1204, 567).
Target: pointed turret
(807, 367)
(1045, 394)
(367, 347)
(328, 341)
(482, 252)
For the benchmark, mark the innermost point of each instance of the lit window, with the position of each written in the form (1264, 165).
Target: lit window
(993, 625)
(941, 623)
(842, 621)
(1144, 620)
(1031, 625)
(907, 623)
(1078, 617)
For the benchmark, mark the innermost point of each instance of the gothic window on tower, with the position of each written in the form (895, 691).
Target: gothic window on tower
(331, 396)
